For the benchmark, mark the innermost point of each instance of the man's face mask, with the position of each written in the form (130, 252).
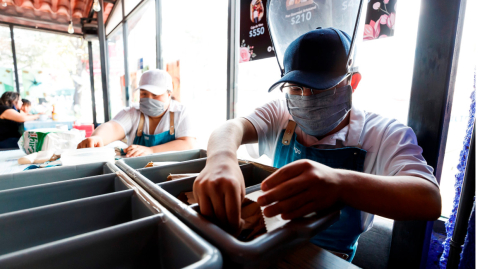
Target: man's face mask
(318, 114)
(151, 107)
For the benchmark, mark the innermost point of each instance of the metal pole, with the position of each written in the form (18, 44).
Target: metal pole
(438, 40)
(125, 56)
(465, 206)
(104, 60)
(158, 22)
(14, 53)
(92, 83)
(232, 61)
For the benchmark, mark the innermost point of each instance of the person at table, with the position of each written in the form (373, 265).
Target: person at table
(26, 107)
(11, 119)
(329, 152)
(160, 124)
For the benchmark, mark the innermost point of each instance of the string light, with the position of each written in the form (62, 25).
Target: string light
(70, 28)
(96, 6)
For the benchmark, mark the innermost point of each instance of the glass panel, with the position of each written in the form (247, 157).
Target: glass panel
(115, 17)
(289, 19)
(254, 80)
(130, 5)
(116, 71)
(53, 74)
(386, 66)
(7, 77)
(194, 51)
(469, 59)
(141, 45)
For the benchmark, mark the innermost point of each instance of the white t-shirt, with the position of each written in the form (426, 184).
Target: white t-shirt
(129, 119)
(392, 148)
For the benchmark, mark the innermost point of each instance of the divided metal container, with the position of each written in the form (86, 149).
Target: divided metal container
(54, 174)
(175, 156)
(94, 222)
(258, 252)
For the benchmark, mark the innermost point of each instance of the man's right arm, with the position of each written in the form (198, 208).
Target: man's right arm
(103, 135)
(220, 187)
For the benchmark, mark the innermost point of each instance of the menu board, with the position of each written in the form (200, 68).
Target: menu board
(255, 40)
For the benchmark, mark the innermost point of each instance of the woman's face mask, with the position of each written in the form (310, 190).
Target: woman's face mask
(318, 114)
(151, 107)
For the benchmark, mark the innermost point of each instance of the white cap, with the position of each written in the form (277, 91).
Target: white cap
(156, 81)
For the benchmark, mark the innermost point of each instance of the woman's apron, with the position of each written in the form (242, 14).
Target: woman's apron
(154, 140)
(343, 235)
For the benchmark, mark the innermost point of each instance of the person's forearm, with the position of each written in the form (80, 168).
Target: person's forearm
(108, 132)
(225, 141)
(175, 145)
(395, 197)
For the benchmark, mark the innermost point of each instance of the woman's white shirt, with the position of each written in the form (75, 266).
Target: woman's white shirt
(129, 119)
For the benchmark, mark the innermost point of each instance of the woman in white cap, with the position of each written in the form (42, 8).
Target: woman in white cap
(160, 124)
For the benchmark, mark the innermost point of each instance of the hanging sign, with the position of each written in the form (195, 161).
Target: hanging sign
(255, 43)
(380, 19)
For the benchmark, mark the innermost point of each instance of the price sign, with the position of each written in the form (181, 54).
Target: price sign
(255, 40)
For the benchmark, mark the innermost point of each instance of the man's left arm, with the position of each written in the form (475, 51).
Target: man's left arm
(401, 186)
(304, 186)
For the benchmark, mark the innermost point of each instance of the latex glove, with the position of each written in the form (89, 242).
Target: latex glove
(300, 188)
(219, 190)
(137, 150)
(91, 142)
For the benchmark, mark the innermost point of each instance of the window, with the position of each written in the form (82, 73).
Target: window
(469, 58)
(116, 71)
(7, 77)
(97, 75)
(194, 51)
(53, 73)
(142, 54)
(115, 17)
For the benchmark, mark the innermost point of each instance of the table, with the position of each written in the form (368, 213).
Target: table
(311, 256)
(8, 161)
(37, 124)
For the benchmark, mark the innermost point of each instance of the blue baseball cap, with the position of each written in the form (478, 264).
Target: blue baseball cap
(317, 59)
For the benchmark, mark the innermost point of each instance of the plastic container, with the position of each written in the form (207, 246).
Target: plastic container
(259, 252)
(54, 174)
(87, 155)
(116, 230)
(177, 156)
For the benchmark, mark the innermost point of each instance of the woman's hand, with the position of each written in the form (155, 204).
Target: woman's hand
(91, 142)
(300, 188)
(137, 150)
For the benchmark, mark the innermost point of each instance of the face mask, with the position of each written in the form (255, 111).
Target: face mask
(319, 114)
(151, 107)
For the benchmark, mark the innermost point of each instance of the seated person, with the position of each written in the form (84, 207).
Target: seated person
(328, 152)
(11, 119)
(160, 124)
(26, 107)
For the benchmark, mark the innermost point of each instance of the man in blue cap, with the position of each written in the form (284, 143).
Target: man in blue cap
(328, 151)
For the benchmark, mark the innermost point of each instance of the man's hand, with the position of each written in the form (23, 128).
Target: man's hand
(300, 188)
(137, 150)
(91, 142)
(219, 190)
